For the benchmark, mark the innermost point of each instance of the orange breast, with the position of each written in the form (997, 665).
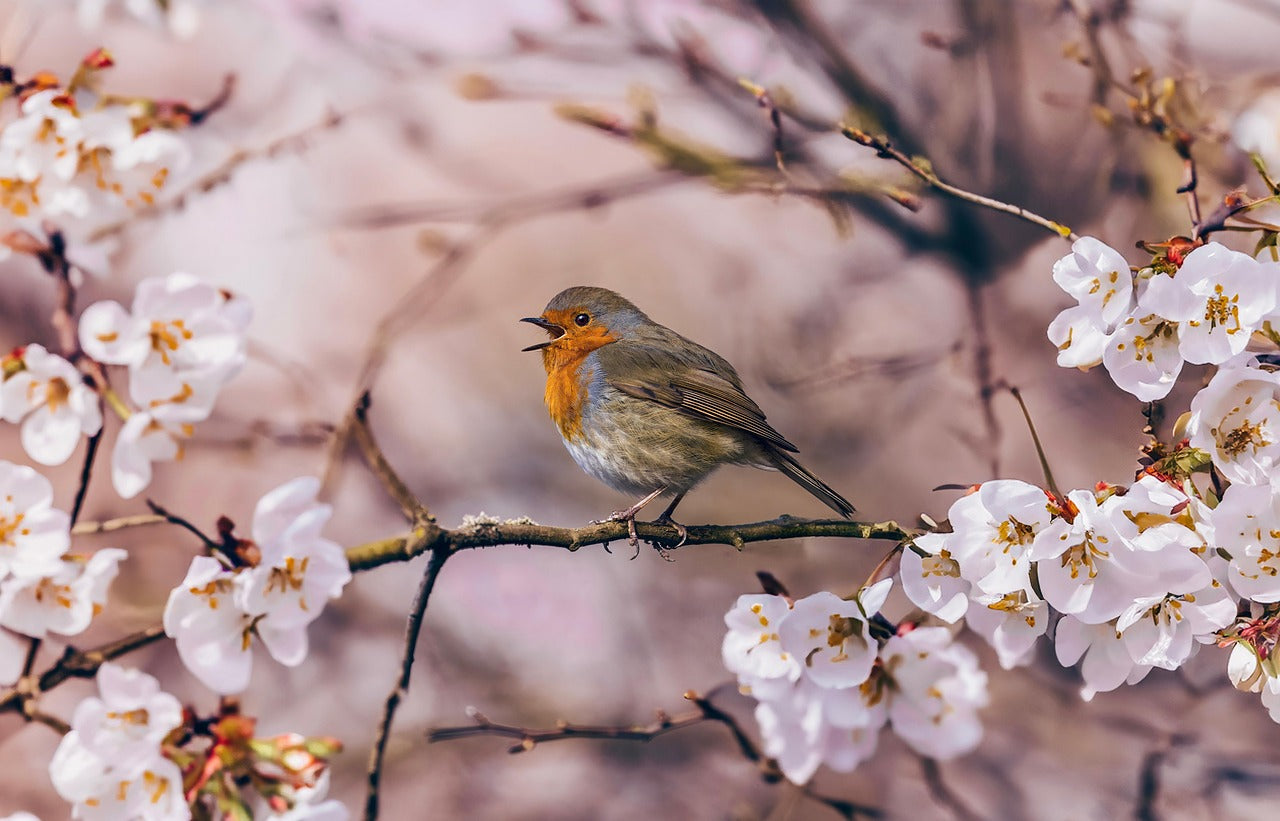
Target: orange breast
(566, 395)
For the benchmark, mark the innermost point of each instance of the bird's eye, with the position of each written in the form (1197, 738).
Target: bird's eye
(582, 319)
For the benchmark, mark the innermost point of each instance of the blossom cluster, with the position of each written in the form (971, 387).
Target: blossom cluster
(827, 677)
(181, 340)
(1130, 576)
(1198, 306)
(71, 152)
(276, 586)
(111, 765)
(134, 754)
(43, 589)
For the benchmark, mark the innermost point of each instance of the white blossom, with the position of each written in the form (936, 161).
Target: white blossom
(180, 17)
(56, 160)
(1107, 661)
(752, 649)
(1164, 631)
(1097, 564)
(809, 725)
(937, 691)
(792, 730)
(1011, 624)
(211, 631)
(33, 534)
(1099, 278)
(1143, 356)
(64, 602)
(48, 395)
(1218, 297)
(111, 765)
(994, 529)
(933, 582)
(146, 437)
(216, 610)
(180, 330)
(300, 569)
(1236, 420)
(832, 637)
(1080, 338)
(1246, 524)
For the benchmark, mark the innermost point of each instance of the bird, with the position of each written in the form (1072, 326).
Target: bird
(650, 412)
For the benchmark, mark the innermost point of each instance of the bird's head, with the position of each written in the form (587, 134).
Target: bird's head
(581, 319)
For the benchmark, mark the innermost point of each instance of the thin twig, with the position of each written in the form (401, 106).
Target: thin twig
(76, 664)
(112, 525)
(29, 663)
(884, 149)
(412, 630)
(51, 721)
(378, 464)
(706, 711)
(173, 518)
(528, 738)
(86, 472)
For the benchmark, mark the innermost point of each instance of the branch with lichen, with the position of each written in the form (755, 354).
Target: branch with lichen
(487, 531)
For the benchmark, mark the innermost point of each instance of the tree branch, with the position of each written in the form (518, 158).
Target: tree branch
(706, 711)
(492, 533)
(75, 664)
(378, 464)
(412, 630)
(886, 150)
(112, 525)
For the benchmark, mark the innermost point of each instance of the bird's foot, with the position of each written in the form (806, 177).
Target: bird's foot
(628, 516)
(681, 530)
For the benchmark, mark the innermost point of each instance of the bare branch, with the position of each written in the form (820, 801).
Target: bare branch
(112, 525)
(86, 472)
(528, 738)
(886, 150)
(412, 630)
(706, 711)
(525, 532)
(75, 664)
(378, 464)
(173, 518)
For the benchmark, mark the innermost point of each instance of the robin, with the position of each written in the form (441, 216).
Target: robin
(648, 412)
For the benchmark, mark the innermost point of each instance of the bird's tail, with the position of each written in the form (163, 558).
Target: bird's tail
(799, 474)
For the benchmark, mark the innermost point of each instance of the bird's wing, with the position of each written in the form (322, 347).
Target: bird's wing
(691, 379)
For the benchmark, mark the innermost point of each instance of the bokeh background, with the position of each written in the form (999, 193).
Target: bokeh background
(399, 165)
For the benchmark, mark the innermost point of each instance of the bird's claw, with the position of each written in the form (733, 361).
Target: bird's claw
(628, 516)
(681, 530)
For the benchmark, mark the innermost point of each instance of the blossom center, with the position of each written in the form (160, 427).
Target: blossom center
(1086, 554)
(940, 565)
(10, 526)
(1221, 309)
(166, 337)
(1247, 435)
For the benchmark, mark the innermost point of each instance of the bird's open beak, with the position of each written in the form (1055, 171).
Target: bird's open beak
(549, 327)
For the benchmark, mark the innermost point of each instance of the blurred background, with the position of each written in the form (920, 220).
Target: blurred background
(394, 184)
